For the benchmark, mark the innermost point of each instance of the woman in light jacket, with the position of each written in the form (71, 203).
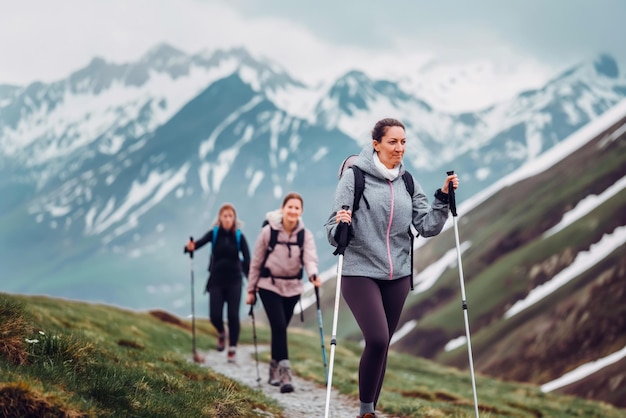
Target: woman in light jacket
(277, 274)
(377, 264)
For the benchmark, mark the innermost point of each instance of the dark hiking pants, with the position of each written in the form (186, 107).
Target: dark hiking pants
(376, 306)
(279, 310)
(230, 295)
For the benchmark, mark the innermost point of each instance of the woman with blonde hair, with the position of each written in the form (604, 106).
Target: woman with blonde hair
(225, 269)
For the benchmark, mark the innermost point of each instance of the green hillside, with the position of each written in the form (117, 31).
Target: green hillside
(75, 359)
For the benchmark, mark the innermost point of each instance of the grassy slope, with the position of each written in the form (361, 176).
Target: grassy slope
(98, 360)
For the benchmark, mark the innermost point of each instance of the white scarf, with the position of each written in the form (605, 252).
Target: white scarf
(388, 173)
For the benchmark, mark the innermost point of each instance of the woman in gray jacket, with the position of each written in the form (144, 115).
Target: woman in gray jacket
(377, 266)
(277, 275)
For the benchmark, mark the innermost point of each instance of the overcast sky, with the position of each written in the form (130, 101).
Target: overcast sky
(47, 40)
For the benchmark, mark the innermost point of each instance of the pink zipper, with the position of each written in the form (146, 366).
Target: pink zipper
(389, 231)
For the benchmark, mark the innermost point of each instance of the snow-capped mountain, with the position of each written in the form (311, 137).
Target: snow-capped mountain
(107, 172)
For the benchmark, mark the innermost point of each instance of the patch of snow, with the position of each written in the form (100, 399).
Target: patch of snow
(455, 343)
(404, 330)
(552, 156)
(585, 206)
(429, 276)
(583, 261)
(583, 371)
(208, 145)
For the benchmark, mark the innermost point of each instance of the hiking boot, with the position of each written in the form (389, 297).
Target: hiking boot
(221, 341)
(274, 379)
(232, 355)
(368, 415)
(284, 370)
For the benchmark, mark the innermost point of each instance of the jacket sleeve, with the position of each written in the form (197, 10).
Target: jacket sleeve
(208, 237)
(257, 258)
(245, 251)
(309, 257)
(344, 196)
(428, 220)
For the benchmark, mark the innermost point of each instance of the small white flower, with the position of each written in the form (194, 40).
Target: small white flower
(31, 341)
(42, 333)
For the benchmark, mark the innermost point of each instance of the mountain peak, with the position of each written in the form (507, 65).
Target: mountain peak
(606, 65)
(163, 51)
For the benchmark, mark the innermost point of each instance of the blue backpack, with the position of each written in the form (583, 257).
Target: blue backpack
(216, 230)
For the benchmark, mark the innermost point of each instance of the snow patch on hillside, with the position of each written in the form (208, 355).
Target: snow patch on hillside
(546, 160)
(583, 371)
(585, 206)
(583, 261)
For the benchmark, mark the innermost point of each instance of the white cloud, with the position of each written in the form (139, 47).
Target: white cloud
(42, 40)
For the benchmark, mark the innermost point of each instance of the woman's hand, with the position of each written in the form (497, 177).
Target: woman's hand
(191, 246)
(250, 298)
(344, 216)
(315, 279)
(455, 183)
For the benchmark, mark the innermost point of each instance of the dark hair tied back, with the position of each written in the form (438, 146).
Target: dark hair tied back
(380, 129)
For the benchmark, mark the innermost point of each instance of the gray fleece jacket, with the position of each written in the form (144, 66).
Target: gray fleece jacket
(381, 245)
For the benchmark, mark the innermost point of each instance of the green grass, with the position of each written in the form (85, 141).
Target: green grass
(416, 387)
(95, 360)
(66, 358)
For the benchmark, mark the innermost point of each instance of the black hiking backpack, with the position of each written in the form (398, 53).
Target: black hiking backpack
(265, 272)
(359, 188)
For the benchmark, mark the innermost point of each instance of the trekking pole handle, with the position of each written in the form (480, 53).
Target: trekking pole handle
(317, 297)
(251, 313)
(451, 196)
(187, 251)
(345, 207)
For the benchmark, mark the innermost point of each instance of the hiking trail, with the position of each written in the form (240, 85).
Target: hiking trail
(307, 400)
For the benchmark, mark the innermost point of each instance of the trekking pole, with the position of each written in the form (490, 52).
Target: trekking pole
(256, 351)
(452, 200)
(342, 243)
(196, 356)
(319, 321)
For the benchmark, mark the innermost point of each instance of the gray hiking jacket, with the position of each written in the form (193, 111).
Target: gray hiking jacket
(380, 248)
(284, 260)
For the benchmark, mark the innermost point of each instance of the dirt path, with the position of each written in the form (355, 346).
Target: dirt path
(307, 400)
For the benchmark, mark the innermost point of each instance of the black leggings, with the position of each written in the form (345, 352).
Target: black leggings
(376, 306)
(279, 310)
(231, 295)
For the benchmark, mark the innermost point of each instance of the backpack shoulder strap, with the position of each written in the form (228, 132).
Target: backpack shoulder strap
(408, 182)
(216, 230)
(359, 187)
(273, 238)
(410, 187)
(270, 245)
(300, 238)
(238, 238)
